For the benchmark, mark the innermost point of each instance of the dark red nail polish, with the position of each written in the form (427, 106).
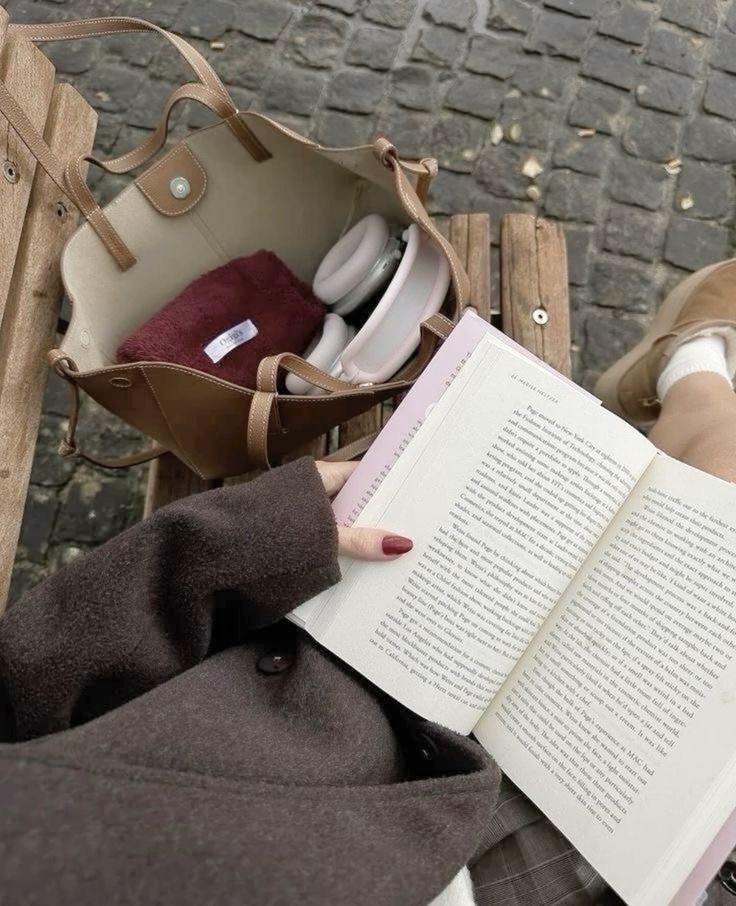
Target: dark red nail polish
(396, 544)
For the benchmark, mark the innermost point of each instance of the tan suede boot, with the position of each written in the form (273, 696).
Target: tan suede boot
(705, 301)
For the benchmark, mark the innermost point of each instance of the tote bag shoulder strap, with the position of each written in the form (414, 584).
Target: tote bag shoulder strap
(69, 177)
(409, 199)
(210, 91)
(433, 331)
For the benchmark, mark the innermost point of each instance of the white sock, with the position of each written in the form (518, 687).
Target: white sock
(709, 351)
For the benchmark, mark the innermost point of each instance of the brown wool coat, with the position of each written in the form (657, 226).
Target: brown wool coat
(147, 758)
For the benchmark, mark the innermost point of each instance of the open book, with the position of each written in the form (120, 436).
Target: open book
(569, 600)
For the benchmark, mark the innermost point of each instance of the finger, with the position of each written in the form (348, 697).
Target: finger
(335, 474)
(372, 543)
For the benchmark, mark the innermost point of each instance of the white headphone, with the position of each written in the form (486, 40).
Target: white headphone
(358, 266)
(323, 352)
(391, 334)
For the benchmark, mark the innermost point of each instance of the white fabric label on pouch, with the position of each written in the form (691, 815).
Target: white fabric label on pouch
(217, 349)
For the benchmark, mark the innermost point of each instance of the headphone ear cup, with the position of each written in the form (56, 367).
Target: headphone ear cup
(391, 333)
(350, 260)
(323, 352)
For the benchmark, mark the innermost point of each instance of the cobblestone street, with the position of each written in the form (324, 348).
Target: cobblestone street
(626, 108)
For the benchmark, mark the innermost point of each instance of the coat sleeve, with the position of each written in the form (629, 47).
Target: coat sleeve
(139, 609)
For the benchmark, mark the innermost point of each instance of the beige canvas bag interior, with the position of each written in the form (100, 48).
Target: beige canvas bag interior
(296, 204)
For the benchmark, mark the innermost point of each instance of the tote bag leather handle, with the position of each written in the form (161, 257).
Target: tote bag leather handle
(409, 199)
(80, 195)
(193, 91)
(93, 28)
(110, 25)
(70, 178)
(434, 330)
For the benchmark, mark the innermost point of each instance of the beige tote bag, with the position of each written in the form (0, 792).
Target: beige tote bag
(248, 183)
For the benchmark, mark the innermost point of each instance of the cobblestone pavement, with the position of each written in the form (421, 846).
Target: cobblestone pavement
(627, 108)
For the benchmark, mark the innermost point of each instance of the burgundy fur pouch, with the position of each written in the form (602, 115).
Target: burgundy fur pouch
(227, 320)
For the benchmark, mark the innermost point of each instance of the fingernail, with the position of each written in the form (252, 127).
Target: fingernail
(396, 544)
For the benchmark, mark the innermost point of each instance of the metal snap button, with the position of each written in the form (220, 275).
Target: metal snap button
(179, 187)
(274, 663)
(10, 171)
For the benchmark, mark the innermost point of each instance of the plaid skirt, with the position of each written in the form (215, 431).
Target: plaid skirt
(524, 860)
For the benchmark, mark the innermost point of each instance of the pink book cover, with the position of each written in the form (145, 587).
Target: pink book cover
(394, 439)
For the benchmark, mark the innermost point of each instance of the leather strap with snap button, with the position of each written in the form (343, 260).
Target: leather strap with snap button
(175, 184)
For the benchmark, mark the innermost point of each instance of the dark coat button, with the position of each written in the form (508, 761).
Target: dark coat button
(427, 747)
(275, 663)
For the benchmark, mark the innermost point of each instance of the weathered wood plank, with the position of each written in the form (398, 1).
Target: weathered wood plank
(457, 233)
(168, 480)
(316, 448)
(28, 326)
(361, 425)
(29, 77)
(470, 235)
(534, 294)
(478, 263)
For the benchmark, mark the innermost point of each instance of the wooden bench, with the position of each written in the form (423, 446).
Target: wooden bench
(36, 222)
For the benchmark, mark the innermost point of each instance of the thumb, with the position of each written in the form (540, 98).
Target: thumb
(371, 543)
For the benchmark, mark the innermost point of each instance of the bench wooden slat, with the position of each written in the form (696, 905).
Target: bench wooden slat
(361, 425)
(534, 279)
(316, 448)
(29, 323)
(470, 235)
(479, 262)
(458, 233)
(29, 77)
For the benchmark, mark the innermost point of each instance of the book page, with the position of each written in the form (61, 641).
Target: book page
(421, 399)
(505, 490)
(620, 720)
(403, 426)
